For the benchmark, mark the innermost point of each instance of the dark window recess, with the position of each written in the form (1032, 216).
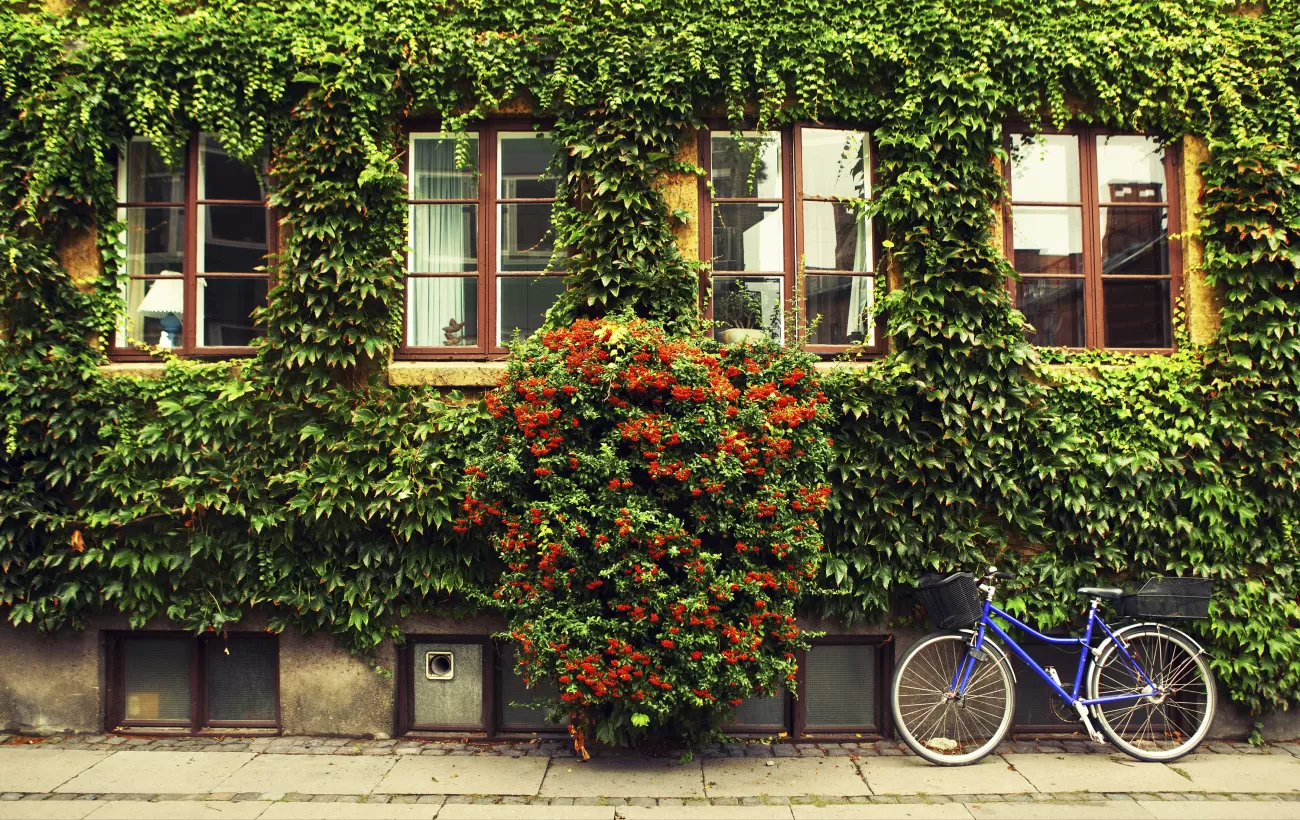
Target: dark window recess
(1034, 711)
(241, 680)
(171, 680)
(839, 681)
(839, 688)
(521, 717)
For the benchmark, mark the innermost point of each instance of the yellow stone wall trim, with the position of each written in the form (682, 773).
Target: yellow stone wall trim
(146, 370)
(445, 374)
(1203, 302)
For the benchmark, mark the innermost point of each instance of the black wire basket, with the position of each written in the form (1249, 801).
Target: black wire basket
(1169, 598)
(953, 601)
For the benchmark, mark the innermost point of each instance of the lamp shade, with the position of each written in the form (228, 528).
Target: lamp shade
(165, 297)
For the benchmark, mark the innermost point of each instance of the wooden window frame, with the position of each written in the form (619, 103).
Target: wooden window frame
(1091, 207)
(791, 201)
(191, 208)
(490, 723)
(199, 723)
(488, 242)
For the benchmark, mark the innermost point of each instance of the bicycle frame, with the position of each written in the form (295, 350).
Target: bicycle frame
(986, 622)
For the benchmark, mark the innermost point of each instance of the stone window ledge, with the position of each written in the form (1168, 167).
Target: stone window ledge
(446, 374)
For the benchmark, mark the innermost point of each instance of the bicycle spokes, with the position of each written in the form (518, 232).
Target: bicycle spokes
(944, 722)
(1177, 689)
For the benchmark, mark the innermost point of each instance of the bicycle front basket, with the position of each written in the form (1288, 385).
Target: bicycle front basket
(1169, 598)
(952, 601)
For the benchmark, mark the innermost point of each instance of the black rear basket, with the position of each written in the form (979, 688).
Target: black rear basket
(1169, 598)
(953, 601)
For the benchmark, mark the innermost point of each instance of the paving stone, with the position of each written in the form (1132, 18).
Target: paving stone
(1093, 773)
(180, 810)
(784, 750)
(39, 770)
(462, 775)
(911, 775)
(424, 799)
(622, 777)
(786, 777)
(1239, 773)
(168, 772)
(11, 796)
(671, 801)
(311, 775)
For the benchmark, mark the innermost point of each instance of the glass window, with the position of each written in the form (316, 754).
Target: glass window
(171, 679)
(1089, 236)
(456, 271)
(181, 301)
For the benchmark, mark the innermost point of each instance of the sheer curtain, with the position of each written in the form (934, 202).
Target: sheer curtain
(862, 291)
(441, 242)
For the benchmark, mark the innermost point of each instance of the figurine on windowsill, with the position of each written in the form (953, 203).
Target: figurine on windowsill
(451, 339)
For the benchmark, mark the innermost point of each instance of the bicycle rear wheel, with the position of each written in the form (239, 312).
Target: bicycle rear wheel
(1161, 728)
(943, 729)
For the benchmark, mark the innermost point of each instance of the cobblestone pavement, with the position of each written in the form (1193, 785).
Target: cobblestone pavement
(550, 746)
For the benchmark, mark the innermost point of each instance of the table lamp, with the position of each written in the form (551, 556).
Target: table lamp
(165, 302)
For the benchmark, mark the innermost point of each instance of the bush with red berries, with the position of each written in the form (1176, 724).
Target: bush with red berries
(655, 501)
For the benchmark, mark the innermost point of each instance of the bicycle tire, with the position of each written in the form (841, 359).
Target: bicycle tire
(1166, 730)
(923, 675)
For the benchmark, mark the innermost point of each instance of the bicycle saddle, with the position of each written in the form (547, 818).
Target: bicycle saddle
(1106, 593)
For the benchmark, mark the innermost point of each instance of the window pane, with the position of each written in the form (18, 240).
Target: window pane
(835, 238)
(444, 238)
(148, 179)
(225, 309)
(844, 305)
(224, 177)
(748, 238)
(435, 173)
(755, 714)
(442, 312)
(527, 240)
(157, 679)
(522, 303)
(154, 308)
(1046, 169)
(840, 687)
(513, 691)
(1047, 240)
(155, 240)
(1130, 169)
(1135, 241)
(234, 238)
(1055, 308)
(732, 162)
(835, 163)
(453, 696)
(748, 306)
(525, 157)
(1137, 313)
(242, 679)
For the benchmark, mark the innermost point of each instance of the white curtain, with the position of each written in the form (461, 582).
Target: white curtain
(862, 292)
(441, 241)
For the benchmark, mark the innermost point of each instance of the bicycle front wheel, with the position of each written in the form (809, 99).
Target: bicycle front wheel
(936, 724)
(1169, 724)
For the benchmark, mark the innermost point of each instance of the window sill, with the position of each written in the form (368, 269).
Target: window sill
(141, 370)
(446, 374)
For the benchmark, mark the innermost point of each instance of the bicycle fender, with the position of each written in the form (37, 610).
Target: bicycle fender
(1096, 653)
(1003, 657)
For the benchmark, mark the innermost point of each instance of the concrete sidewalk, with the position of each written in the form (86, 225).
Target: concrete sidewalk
(39, 781)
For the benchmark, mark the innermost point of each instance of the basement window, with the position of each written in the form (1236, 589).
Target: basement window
(172, 680)
(839, 684)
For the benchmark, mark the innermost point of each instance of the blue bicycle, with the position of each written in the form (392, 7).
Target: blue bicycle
(1149, 690)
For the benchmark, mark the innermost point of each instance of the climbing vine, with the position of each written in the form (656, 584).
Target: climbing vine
(300, 483)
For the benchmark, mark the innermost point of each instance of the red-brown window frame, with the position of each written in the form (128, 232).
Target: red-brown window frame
(1090, 205)
(791, 201)
(115, 686)
(487, 249)
(189, 263)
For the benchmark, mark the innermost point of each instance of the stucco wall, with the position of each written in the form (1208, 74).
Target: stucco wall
(49, 683)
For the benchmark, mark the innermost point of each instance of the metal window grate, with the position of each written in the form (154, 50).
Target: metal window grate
(760, 714)
(840, 687)
(241, 679)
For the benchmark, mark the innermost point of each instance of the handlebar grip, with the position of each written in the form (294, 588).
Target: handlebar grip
(1006, 576)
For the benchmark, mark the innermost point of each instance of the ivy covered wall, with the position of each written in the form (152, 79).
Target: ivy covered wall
(302, 483)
